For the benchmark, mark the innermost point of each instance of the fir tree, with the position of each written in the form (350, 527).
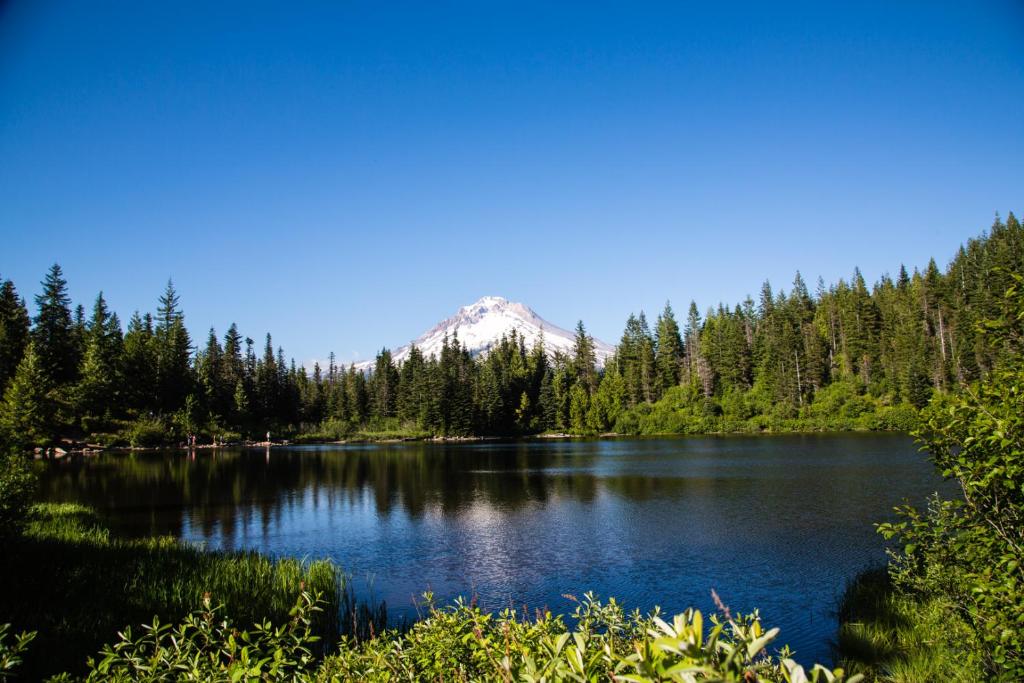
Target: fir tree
(173, 351)
(669, 344)
(56, 345)
(210, 375)
(411, 389)
(139, 365)
(233, 367)
(384, 386)
(584, 360)
(99, 390)
(27, 415)
(14, 331)
(579, 406)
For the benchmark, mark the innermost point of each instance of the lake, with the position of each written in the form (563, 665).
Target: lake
(779, 523)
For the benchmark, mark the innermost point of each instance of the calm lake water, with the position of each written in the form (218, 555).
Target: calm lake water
(774, 522)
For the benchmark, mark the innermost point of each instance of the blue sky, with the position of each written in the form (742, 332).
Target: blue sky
(345, 175)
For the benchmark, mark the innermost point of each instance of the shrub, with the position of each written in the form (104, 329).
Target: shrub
(206, 647)
(970, 552)
(830, 399)
(459, 643)
(857, 406)
(147, 432)
(899, 418)
(17, 485)
(10, 654)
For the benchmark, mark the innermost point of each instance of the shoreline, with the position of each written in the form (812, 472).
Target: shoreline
(59, 453)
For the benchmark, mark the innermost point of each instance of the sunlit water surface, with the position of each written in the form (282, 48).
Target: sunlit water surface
(780, 523)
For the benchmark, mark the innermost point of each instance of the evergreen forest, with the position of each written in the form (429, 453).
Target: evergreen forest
(846, 355)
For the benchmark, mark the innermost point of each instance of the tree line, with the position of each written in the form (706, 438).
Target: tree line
(790, 359)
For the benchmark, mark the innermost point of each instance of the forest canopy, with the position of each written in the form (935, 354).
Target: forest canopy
(845, 355)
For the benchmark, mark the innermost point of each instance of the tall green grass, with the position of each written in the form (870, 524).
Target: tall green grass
(68, 579)
(894, 637)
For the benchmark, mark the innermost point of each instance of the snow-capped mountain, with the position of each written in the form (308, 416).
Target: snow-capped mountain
(481, 325)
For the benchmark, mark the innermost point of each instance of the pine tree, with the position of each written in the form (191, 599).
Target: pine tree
(691, 344)
(584, 360)
(561, 384)
(173, 351)
(489, 401)
(608, 402)
(140, 365)
(53, 332)
(240, 399)
(627, 359)
(14, 331)
(28, 414)
(579, 406)
(99, 390)
(547, 409)
(646, 370)
(312, 395)
(669, 345)
(267, 389)
(356, 396)
(210, 375)
(233, 367)
(384, 386)
(412, 390)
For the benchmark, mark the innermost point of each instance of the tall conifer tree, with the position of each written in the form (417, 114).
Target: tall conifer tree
(14, 331)
(56, 343)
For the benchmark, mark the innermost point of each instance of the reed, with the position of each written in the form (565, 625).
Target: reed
(77, 586)
(896, 637)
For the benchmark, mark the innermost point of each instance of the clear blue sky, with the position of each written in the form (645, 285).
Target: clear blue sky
(346, 175)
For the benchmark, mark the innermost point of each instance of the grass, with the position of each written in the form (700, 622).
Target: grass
(378, 430)
(893, 637)
(68, 579)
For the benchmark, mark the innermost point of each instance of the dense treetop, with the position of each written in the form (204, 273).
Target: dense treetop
(846, 354)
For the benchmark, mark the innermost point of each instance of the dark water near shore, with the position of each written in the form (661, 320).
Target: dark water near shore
(779, 523)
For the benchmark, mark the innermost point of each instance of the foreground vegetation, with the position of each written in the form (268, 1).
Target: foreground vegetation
(70, 589)
(70, 581)
(847, 356)
(459, 643)
(894, 635)
(951, 606)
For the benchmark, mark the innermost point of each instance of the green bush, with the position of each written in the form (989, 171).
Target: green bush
(17, 486)
(830, 399)
(899, 418)
(463, 643)
(460, 643)
(148, 432)
(207, 647)
(10, 654)
(857, 406)
(837, 407)
(969, 553)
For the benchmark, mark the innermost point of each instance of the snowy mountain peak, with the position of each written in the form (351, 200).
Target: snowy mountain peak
(481, 325)
(485, 302)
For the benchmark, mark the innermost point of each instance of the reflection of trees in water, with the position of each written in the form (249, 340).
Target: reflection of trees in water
(710, 486)
(217, 492)
(223, 489)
